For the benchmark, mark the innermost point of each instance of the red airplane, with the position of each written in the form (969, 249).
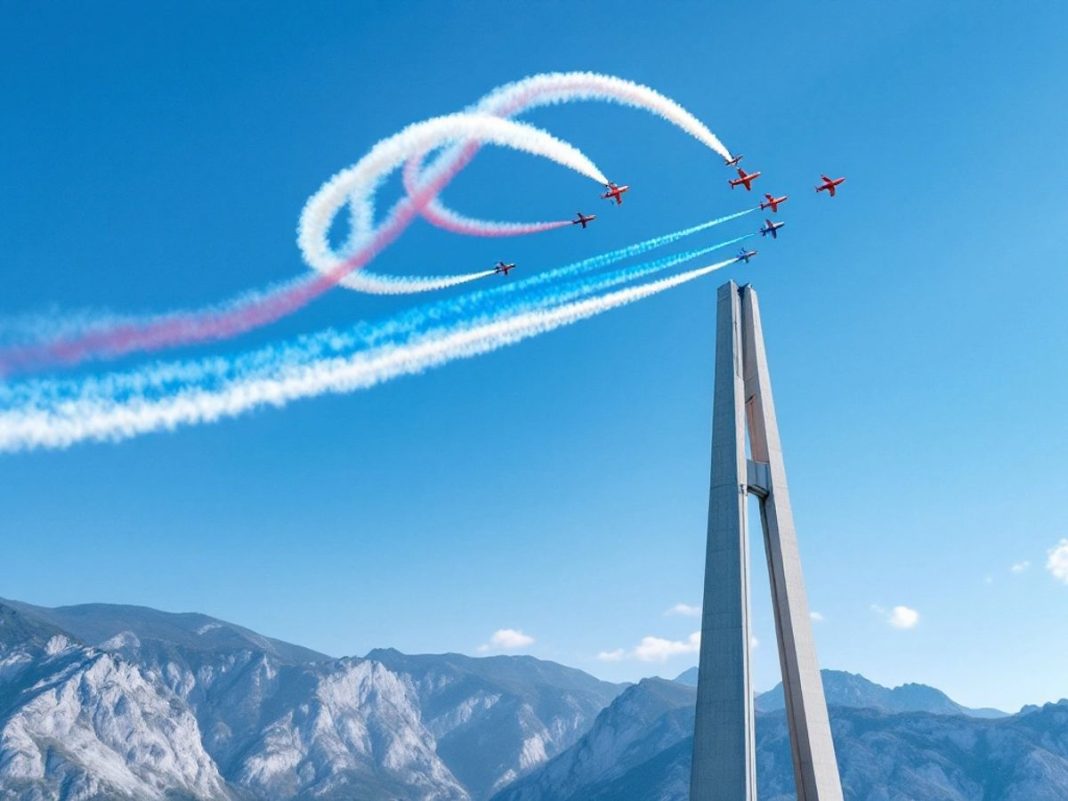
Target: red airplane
(745, 255)
(773, 202)
(583, 219)
(829, 184)
(744, 179)
(771, 228)
(503, 268)
(734, 161)
(615, 192)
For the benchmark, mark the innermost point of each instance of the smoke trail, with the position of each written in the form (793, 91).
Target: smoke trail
(441, 216)
(485, 123)
(104, 419)
(173, 376)
(543, 90)
(362, 179)
(355, 183)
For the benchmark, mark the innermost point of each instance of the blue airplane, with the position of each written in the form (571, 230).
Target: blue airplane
(771, 228)
(746, 255)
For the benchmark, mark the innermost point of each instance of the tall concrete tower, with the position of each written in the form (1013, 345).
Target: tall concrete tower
(724, 759)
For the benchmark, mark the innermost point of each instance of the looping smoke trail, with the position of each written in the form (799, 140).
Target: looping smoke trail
(543, 90)
(444, 218)
(282, 378)
(252, 310)
(56, 413)
(361, 180)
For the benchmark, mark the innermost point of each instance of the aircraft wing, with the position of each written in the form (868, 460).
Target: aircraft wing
(831, 188)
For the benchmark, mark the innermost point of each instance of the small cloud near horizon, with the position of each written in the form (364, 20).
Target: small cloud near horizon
(900, 617)
(506, 640)
(654, 649)
(903, 617)
(816, 617)
(660, 649)
(684, 610)
(1057, 561)
(1020, 567)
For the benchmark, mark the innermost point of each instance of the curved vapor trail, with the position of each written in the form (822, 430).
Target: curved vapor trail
(103, 418)
(56, 413)
(544, 90)
(227, 319)
(362, 179)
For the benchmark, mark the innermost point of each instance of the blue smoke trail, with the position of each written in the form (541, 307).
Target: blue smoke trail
(157, 380)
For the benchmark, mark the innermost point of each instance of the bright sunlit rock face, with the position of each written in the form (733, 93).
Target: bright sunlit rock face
(193, 706)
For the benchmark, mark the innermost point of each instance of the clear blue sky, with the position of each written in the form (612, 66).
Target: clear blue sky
(158, 156)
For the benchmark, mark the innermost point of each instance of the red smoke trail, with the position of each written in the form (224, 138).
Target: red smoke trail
(213, 325)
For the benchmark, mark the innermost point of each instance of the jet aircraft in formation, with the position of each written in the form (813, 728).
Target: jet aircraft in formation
(614, 191)
(773, 202)
(744, 179)
(771, 228)
(829, 184)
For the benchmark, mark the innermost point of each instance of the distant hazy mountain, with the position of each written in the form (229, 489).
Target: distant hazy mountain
(110, 703)
(98, 623)
(853, 690)
(639, 749)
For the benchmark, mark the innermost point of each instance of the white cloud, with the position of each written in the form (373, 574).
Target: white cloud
(685, 610)
(657, 649)
(507, 640)
(754, 643)
(900, 617)
(660, 649)
(816, 617)
(1020, 567)
(903, 617)
(1057, 561)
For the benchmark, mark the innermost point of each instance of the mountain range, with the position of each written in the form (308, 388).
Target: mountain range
(102, 702)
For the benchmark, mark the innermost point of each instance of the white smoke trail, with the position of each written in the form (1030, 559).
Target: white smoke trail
(358, 183)
(103, 337)
(101, 419)
(544, 90)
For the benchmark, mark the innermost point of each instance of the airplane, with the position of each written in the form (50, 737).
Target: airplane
(773, 202)
(615, 192)
(584, 219)
(734, 161)
(771, 228)
(503, 268)
(829, 184)
(745, 179)
(745, 255)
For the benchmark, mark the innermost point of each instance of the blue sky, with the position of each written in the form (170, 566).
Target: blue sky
(158, 157)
